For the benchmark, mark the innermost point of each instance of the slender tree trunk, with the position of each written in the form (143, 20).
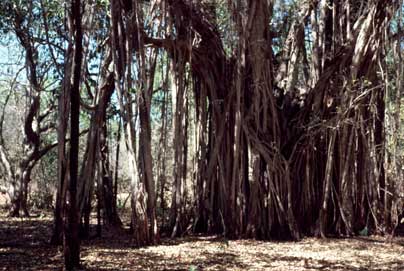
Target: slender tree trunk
(201, 160)
(145, 166)
(64, 112)
(71, 233)
(109, 204)
(179, 142)
(162, 153)
(116, 173)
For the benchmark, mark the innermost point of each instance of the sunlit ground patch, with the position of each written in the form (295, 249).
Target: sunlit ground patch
(24, 246)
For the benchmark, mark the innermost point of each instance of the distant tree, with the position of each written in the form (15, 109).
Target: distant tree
(18, 21)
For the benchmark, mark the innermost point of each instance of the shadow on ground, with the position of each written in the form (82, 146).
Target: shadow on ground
(24, 246)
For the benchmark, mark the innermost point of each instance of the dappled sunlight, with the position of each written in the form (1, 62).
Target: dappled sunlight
(24, 246)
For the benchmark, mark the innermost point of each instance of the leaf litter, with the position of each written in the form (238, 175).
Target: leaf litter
(24, 245)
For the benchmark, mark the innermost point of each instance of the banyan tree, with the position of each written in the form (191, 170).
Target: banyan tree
(266, 119)
(269, 116)
(289, 125)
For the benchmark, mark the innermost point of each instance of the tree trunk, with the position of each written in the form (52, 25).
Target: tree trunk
(71, 231)
(63, 112)
(15, 194)
(145, 166)
(179, 142)
(116, 172)
(109, 204)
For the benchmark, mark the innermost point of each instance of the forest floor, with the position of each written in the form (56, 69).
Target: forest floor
(24, 246)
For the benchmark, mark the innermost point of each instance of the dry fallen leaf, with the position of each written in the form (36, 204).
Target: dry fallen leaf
(23, 246)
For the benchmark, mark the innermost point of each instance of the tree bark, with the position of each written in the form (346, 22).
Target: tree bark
(71, 231)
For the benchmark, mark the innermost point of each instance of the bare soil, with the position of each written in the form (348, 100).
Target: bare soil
(24, 246)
